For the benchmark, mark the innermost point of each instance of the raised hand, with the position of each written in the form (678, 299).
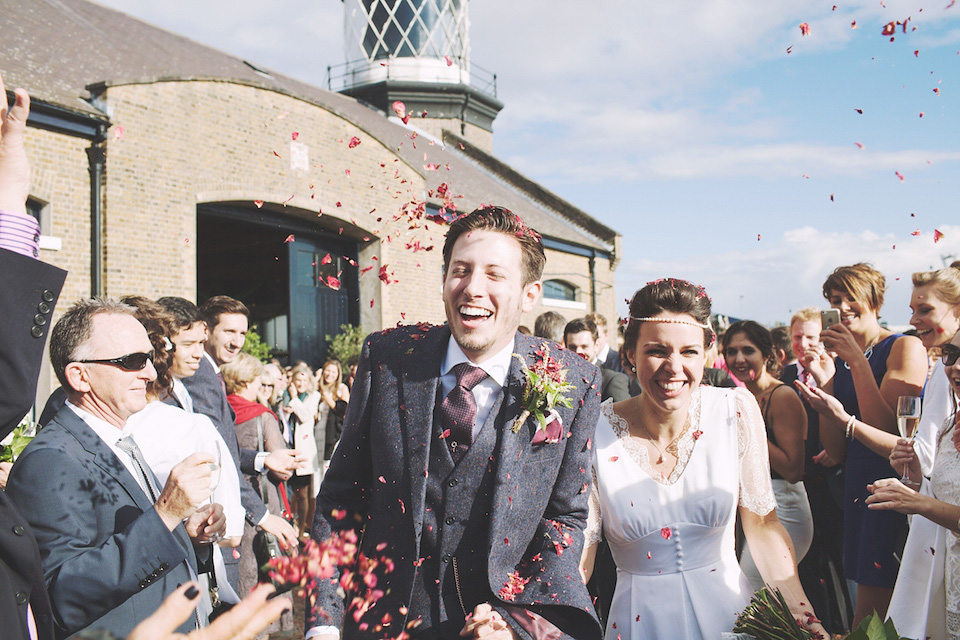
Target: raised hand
(14, 166)
(485, 622)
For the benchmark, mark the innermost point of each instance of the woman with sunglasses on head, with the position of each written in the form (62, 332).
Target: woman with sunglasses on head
(750, 356)
(873, 368)
(926, 599)
(673, 468)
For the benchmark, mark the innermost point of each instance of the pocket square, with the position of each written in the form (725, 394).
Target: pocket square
(552, 432)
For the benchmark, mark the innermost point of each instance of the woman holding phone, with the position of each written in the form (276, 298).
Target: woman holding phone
(874, 367)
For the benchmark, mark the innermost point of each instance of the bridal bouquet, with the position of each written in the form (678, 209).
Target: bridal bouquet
(545, 385)
(768, 617)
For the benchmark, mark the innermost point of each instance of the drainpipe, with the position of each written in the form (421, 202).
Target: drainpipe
(97, 156)
(593, 281)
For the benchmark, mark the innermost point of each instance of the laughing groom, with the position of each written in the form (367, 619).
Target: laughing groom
(477, 520)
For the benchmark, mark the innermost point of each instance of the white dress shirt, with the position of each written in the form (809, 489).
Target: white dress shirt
(111, 435)
(182, 395)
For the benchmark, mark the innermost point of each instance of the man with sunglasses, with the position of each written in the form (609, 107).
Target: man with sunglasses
(114, 544)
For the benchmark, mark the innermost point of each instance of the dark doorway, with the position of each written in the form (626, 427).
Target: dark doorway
(245, 253)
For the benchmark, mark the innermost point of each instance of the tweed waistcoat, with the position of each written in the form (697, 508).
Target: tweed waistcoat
(455, 537)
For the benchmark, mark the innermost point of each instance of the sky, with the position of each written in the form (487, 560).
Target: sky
(723, 144)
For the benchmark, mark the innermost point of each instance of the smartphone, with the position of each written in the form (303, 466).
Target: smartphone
(829, 317)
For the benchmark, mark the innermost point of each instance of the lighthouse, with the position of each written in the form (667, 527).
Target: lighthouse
(418, 52)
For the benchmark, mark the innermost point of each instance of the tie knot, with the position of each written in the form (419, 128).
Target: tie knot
(468, 376)
(127, 444)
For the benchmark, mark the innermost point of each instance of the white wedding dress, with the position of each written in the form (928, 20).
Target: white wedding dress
(673, 537)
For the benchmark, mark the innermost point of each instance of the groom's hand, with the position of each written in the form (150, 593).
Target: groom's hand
(487, 623)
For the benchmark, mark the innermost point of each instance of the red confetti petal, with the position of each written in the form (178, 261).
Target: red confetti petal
(804, 29)
(449, 60)
(399, 108)
(666, 533)
(614, 458)
(295, 135)
(289, 238)
(326, 259)
(258, 203)
(899, 175)
(354, 141)
(937, 234)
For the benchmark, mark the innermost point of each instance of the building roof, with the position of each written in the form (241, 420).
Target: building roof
(59, 50)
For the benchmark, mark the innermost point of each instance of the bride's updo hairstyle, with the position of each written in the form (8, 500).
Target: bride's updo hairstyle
(670, 295)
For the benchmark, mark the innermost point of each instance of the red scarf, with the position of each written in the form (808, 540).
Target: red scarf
(245, 409)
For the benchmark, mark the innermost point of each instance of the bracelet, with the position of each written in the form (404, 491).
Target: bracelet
(850, 427)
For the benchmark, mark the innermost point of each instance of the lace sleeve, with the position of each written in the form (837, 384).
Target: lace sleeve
(756, 491)
(594, 529)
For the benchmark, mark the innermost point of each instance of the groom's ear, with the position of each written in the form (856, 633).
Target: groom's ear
(531, 295)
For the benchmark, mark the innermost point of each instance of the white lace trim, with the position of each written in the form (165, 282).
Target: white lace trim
(638, 451)
(756, 490)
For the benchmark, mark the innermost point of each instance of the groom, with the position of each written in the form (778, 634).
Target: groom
(469, 520)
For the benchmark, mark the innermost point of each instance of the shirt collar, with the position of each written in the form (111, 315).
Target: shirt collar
(107, 432)
(496, 367)
(210, 359)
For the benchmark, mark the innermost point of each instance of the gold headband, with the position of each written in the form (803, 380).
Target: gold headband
(673, 321)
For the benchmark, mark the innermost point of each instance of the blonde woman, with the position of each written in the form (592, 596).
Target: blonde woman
(335, 396)
(304, 405)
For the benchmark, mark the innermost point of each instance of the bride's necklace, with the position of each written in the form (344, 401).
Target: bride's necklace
(671, 448)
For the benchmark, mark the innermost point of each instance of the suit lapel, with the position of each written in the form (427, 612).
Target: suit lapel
(513, 447)
(419, 382)
(103, 456)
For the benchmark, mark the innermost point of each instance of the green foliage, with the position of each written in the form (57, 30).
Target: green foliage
(17, 441)
(874, 628)
(256, 347)
(768, 617)
(346, 345)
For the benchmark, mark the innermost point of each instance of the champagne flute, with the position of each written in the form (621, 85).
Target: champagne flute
(208, 444)
(908, 418)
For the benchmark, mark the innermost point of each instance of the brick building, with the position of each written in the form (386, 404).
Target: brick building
(164, 167)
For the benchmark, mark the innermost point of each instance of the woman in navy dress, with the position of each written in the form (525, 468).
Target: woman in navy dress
(874, 367)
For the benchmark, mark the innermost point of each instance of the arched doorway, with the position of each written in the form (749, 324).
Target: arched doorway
(247, 253)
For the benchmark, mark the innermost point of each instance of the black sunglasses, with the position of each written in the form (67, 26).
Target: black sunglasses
(129, 362)
(949, 353)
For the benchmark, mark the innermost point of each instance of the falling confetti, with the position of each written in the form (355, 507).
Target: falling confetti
(294, 135)
(354, 141)
(899, 175)
(859, 145)
(449, 60)
(258, 203)
(289, 238)
(119, 132)
(804, 29)
(937, 234)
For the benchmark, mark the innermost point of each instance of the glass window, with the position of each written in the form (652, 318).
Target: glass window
(559, 290)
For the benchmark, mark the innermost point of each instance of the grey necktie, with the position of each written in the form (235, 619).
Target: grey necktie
(129, 446)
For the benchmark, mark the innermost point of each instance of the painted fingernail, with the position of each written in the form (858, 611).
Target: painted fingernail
(191, 593)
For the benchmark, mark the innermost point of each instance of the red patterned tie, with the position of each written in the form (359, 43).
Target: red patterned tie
(458, 411)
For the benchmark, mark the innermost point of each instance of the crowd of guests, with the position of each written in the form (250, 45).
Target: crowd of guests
(169, 457)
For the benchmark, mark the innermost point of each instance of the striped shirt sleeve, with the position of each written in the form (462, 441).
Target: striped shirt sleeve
(20, 233)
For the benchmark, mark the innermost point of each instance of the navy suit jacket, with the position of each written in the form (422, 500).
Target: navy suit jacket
(210, 400)
(28, 294)
(377, 483)
(108, 558)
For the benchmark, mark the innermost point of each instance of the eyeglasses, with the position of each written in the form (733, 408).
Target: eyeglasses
(129, 362)
(949, 353)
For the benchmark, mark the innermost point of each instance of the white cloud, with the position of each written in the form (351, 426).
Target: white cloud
(784, 274)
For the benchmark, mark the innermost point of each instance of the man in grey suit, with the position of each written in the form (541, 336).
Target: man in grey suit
(113, 543)
(199, 388)
(475, 515)
(581, 336)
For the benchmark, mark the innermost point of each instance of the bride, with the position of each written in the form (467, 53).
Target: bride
(672, 469)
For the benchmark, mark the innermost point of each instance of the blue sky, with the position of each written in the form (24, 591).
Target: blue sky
(688, 127)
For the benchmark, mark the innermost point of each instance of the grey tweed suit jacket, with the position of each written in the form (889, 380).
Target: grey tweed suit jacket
(108, 558)
(376, 485)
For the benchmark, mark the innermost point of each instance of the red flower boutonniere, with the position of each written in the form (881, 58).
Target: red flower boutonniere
(544, 388)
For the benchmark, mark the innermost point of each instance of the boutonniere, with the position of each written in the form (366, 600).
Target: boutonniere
(545, 384)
